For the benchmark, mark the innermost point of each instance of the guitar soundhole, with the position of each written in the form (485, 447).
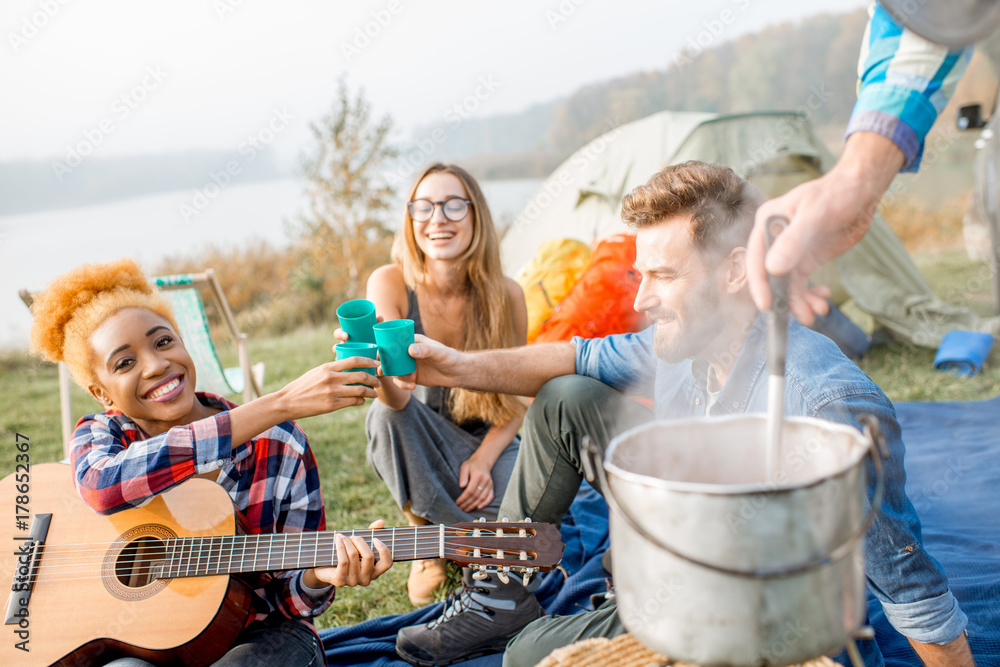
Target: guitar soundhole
(135, 564)
(133, 561)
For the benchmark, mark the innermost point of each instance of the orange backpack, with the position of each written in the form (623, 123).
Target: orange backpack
(600, 302)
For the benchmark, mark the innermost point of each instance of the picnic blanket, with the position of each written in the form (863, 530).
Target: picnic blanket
(953, 479)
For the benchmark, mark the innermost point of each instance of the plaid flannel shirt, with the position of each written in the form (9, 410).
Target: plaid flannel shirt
(272, 480)
(904, 83)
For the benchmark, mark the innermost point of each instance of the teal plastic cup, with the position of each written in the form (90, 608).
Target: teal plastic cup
(348, 350)
(394, 339)
(357, 317)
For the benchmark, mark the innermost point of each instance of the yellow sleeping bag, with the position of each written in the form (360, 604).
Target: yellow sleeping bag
(550, 276)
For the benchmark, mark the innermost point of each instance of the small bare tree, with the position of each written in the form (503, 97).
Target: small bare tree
(343, 236)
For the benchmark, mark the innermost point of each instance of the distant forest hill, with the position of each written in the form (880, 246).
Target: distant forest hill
(31, 185)
(810, 65)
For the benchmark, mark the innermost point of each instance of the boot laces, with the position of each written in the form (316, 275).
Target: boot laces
(461, 601)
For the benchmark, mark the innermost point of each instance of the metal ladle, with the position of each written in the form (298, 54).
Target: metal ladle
(777, 345)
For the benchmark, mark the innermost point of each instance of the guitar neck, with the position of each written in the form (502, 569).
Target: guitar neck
(202, 556)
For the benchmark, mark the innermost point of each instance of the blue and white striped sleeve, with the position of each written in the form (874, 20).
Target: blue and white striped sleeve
(904, 82)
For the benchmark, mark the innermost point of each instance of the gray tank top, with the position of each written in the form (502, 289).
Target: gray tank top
(436, 398)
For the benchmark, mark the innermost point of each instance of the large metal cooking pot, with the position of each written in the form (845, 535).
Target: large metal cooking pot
(715, 565)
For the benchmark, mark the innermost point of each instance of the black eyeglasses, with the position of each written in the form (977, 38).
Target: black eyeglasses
(453, 208)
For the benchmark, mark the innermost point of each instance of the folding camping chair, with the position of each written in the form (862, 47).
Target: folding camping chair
(184, 293)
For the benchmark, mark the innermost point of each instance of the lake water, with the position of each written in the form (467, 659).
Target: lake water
(36, 247)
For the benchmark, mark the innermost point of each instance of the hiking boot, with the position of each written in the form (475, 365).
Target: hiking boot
(426, 576)
(479, 618)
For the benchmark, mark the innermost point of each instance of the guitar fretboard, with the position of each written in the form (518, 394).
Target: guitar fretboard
(203, 556)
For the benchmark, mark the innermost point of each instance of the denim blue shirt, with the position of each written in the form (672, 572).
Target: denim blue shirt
(819, 382)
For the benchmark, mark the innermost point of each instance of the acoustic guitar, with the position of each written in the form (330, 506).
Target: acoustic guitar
(154, 582)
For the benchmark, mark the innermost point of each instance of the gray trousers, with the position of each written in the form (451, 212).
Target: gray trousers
(538, 639)
(549, 467)
(418, 453)
(547, 476)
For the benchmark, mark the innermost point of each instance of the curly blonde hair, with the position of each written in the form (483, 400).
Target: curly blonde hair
(75, 304)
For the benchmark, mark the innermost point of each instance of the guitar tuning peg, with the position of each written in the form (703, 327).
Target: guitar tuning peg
(527, 519)
(479, 572)
(505, 520)
(502, 573)
(481, 519)
(528, 572)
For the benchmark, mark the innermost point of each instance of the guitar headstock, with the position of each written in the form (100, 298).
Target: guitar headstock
(523, 547)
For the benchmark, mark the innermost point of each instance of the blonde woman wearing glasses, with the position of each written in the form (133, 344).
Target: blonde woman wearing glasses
(446, 455)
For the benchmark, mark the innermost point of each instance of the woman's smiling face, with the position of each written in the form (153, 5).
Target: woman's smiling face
(143, 369)
(439, 238)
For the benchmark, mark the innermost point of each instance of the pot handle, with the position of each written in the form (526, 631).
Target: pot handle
(593, 468)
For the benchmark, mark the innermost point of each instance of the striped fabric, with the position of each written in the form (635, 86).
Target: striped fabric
(904, 82)
(272, 480)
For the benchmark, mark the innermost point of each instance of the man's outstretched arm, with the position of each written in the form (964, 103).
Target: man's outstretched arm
(519, 370)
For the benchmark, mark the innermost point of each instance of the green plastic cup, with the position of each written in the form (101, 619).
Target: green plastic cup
(348, 350)
(394, 339)
(357, 317)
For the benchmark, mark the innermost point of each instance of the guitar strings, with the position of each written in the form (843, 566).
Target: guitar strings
(308, 541)
(433, 534)
(40, 575)
(206, 551)
(175, 549)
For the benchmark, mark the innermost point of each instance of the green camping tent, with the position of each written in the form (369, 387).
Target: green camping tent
(875, 283)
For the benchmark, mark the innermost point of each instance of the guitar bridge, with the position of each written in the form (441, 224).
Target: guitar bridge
(27, 563)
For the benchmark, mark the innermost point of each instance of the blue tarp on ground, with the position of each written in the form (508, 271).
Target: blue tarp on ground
(953, 479)
(953, 468)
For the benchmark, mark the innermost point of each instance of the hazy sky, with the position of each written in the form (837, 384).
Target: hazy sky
(136, 76)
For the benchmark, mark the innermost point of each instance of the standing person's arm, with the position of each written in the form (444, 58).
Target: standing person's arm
(904, 83)
(827, 217)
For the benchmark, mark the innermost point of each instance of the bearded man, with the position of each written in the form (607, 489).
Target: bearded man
(705, 355)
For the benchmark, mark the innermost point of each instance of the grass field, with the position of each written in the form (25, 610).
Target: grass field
(354, 496)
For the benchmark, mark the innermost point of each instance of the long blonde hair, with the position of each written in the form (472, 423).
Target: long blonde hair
(489, 321)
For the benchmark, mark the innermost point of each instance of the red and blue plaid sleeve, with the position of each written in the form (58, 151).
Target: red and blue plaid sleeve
(296, 505)
(117, 467)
